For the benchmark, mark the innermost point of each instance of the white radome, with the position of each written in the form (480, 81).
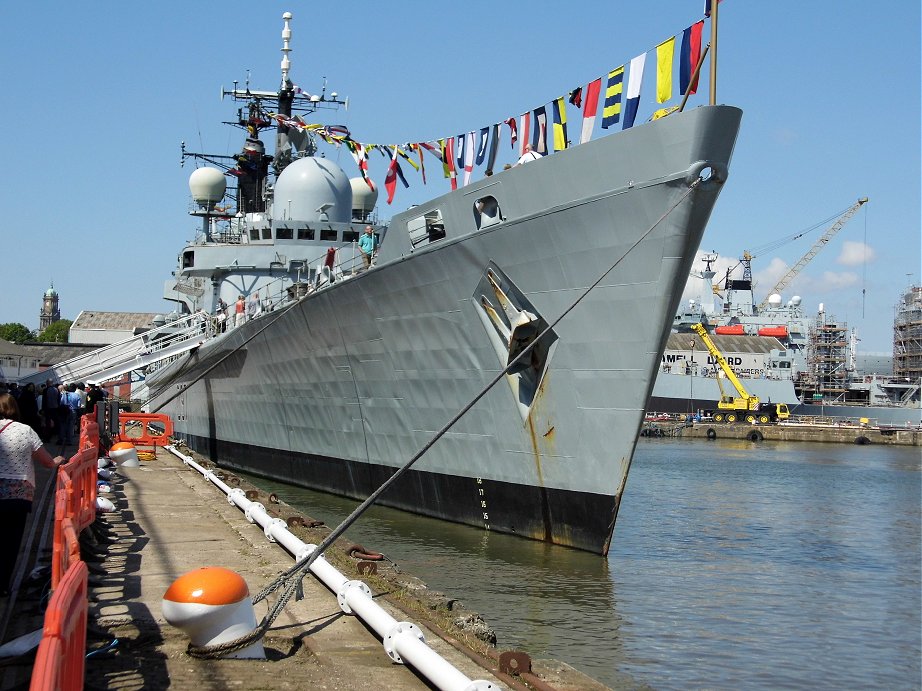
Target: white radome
(207, 186)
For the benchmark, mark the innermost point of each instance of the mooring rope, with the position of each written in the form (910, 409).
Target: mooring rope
(292, 577)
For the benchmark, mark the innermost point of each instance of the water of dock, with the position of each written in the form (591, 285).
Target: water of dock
(733, 565)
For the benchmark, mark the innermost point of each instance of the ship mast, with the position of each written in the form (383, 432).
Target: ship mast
(285, 99)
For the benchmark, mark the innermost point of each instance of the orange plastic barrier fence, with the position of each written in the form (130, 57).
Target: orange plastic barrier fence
(89, 433)
(82, 469)
(63, 511)
(146, 436)
(59, 665)
(48, 672)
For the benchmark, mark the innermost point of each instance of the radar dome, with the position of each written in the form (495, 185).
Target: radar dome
(363, 197)
(207, 186)
(796, 300)
(774, 300)
(312, 189)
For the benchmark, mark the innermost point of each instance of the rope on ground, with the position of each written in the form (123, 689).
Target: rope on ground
(290, 580)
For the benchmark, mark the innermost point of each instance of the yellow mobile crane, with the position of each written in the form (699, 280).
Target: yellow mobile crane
(742, 407)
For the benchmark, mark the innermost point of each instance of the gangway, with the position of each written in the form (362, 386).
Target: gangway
(138, 352)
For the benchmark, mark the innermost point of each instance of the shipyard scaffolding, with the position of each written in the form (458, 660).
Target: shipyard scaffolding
(827, 359)
(907, 335)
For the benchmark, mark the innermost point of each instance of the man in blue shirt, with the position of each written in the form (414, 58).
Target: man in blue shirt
(367, 245)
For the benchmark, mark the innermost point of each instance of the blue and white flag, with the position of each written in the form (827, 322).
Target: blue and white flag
(459, 151)
(468, 157)
(634, 82)
(539, 134)
(482, 147)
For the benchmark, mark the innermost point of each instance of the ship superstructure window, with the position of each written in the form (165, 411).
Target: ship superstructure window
(254, 233)
(188, 259)
(328, 234)
(284, 233)
(350, 236)
(427, 228)
(267, 233)
(486, 212)
(305, 233)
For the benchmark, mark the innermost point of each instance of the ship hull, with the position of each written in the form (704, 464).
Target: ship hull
(340, 389)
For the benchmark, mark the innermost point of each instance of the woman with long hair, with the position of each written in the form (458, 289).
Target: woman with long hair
(20, 448)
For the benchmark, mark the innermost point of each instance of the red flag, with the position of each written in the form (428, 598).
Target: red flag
(590, 110)
(525, 122)
(390, 182)
(576, 97)
(512, 132)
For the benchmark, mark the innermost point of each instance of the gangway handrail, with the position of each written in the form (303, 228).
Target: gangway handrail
(403, 641)
(149, 343)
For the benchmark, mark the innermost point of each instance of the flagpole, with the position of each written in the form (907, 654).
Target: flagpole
(714, 5)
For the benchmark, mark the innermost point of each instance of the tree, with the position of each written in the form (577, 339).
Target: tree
(56, 332)
(15, 332)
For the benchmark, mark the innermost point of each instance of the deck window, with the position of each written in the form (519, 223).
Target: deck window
(267, 233)
(188, 259)
(350, 236)
(254, 233)
(328, 234)
(305, 233)
(284, 234)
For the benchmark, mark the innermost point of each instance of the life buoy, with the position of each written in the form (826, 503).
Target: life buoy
(754, 435)
(711, 433)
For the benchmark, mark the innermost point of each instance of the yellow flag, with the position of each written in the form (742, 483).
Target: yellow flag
(664, 53)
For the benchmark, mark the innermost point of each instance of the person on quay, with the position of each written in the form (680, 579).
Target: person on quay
(20, 449)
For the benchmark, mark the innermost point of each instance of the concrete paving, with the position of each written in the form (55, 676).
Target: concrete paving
(169, 520)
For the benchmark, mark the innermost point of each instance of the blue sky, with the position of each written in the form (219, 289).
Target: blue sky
(98, 97)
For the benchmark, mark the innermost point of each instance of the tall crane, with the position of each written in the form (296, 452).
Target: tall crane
(817, 246)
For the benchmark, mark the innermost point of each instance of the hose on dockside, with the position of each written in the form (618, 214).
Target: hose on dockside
(290, 580)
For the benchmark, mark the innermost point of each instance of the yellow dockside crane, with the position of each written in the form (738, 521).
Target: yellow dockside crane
(744, 406)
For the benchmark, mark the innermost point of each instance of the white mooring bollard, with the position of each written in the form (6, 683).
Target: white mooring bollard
(212, 605)
(124, 454)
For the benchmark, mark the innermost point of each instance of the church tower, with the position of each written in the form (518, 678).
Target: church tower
(50, 311)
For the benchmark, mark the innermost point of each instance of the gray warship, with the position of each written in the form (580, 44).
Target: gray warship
(340, 374)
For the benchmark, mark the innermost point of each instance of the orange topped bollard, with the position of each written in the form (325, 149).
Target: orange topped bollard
(124, 454)
(212, 605)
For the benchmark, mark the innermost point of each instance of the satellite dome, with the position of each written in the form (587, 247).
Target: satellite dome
(774, 300)
(796, 300)
(312, 189)
(363, 197)
(207, 186)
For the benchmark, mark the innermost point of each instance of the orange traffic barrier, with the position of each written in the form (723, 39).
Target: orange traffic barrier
(63, 511)
(65, 550)
(89, 433)
(48, 672)
(82, 469)
(62, 662)
(148, 435)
